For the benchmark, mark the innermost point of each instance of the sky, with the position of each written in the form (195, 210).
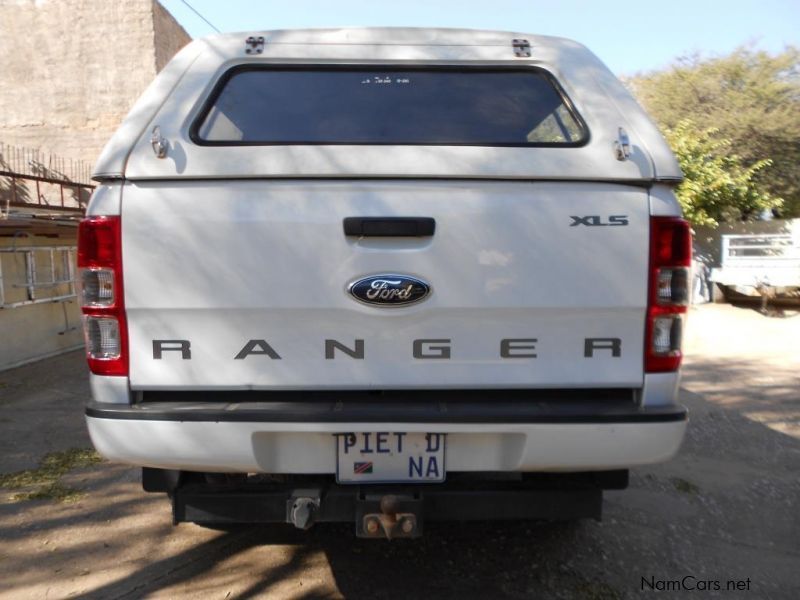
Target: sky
(630, 37)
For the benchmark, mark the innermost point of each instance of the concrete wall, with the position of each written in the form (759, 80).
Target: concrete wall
(34, 332)
(71, 69)
(169, 36)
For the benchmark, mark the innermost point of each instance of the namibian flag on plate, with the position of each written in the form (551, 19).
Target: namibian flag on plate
(361, 468)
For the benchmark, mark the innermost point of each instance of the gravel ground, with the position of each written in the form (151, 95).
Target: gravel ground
(725, 509)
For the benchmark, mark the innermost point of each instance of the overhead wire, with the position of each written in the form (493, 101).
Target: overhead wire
(195, 11)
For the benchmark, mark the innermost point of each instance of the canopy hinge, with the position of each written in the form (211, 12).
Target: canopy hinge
(254, 45)
(522, 48)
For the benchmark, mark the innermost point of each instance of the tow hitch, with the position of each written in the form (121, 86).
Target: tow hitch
(395, 517)
(377, 515)
(302, 508)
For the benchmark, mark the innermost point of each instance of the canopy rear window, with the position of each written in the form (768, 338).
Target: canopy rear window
(425, 106)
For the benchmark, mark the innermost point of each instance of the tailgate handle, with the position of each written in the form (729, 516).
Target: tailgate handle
(389, 226)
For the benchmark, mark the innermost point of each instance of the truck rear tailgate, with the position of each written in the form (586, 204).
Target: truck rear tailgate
(211, 265)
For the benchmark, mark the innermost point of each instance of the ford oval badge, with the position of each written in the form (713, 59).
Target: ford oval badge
(389, 290)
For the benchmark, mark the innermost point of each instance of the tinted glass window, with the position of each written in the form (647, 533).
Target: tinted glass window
(355, 106)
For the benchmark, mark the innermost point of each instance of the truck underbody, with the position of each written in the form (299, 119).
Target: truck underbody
(395, 511)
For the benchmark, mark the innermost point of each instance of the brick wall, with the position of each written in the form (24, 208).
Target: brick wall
(71, 69)
(169, 36)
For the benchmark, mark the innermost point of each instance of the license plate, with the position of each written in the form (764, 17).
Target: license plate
(390, 457)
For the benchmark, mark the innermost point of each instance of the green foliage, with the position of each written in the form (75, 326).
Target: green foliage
(718, 187)
(747, 103)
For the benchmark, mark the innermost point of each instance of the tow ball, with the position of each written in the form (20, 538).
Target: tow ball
(397, 518)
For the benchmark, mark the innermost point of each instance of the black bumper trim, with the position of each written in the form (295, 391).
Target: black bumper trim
(494, 406)
(463, 497)
(434, 505)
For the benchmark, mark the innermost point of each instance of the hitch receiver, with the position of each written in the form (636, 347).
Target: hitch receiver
(395, 517)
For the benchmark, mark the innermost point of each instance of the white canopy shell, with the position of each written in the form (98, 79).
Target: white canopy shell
(174, 99)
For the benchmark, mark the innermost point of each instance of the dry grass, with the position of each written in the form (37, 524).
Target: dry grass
(44, 480)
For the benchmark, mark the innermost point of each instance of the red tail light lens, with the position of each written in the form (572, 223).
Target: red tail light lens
(98, 242)
(102, 301)
(668, 292)
(671, 242)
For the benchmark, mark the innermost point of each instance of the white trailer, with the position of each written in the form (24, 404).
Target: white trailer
(765, 265)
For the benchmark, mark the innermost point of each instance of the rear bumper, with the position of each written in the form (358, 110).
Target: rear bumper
(297, 437)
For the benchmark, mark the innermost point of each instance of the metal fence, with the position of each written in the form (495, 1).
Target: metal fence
(33, 162)
(32, 178)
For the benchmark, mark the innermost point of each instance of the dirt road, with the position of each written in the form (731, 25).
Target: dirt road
(727, 508)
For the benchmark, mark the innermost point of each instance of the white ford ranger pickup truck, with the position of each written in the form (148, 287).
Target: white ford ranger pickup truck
(383, 276)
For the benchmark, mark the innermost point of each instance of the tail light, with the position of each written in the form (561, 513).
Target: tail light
(668, 293)
(102, 303)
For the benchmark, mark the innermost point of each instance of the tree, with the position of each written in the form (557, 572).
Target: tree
(751, 99)
(718, 187)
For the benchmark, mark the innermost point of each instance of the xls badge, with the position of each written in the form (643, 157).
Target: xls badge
(389, 290)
